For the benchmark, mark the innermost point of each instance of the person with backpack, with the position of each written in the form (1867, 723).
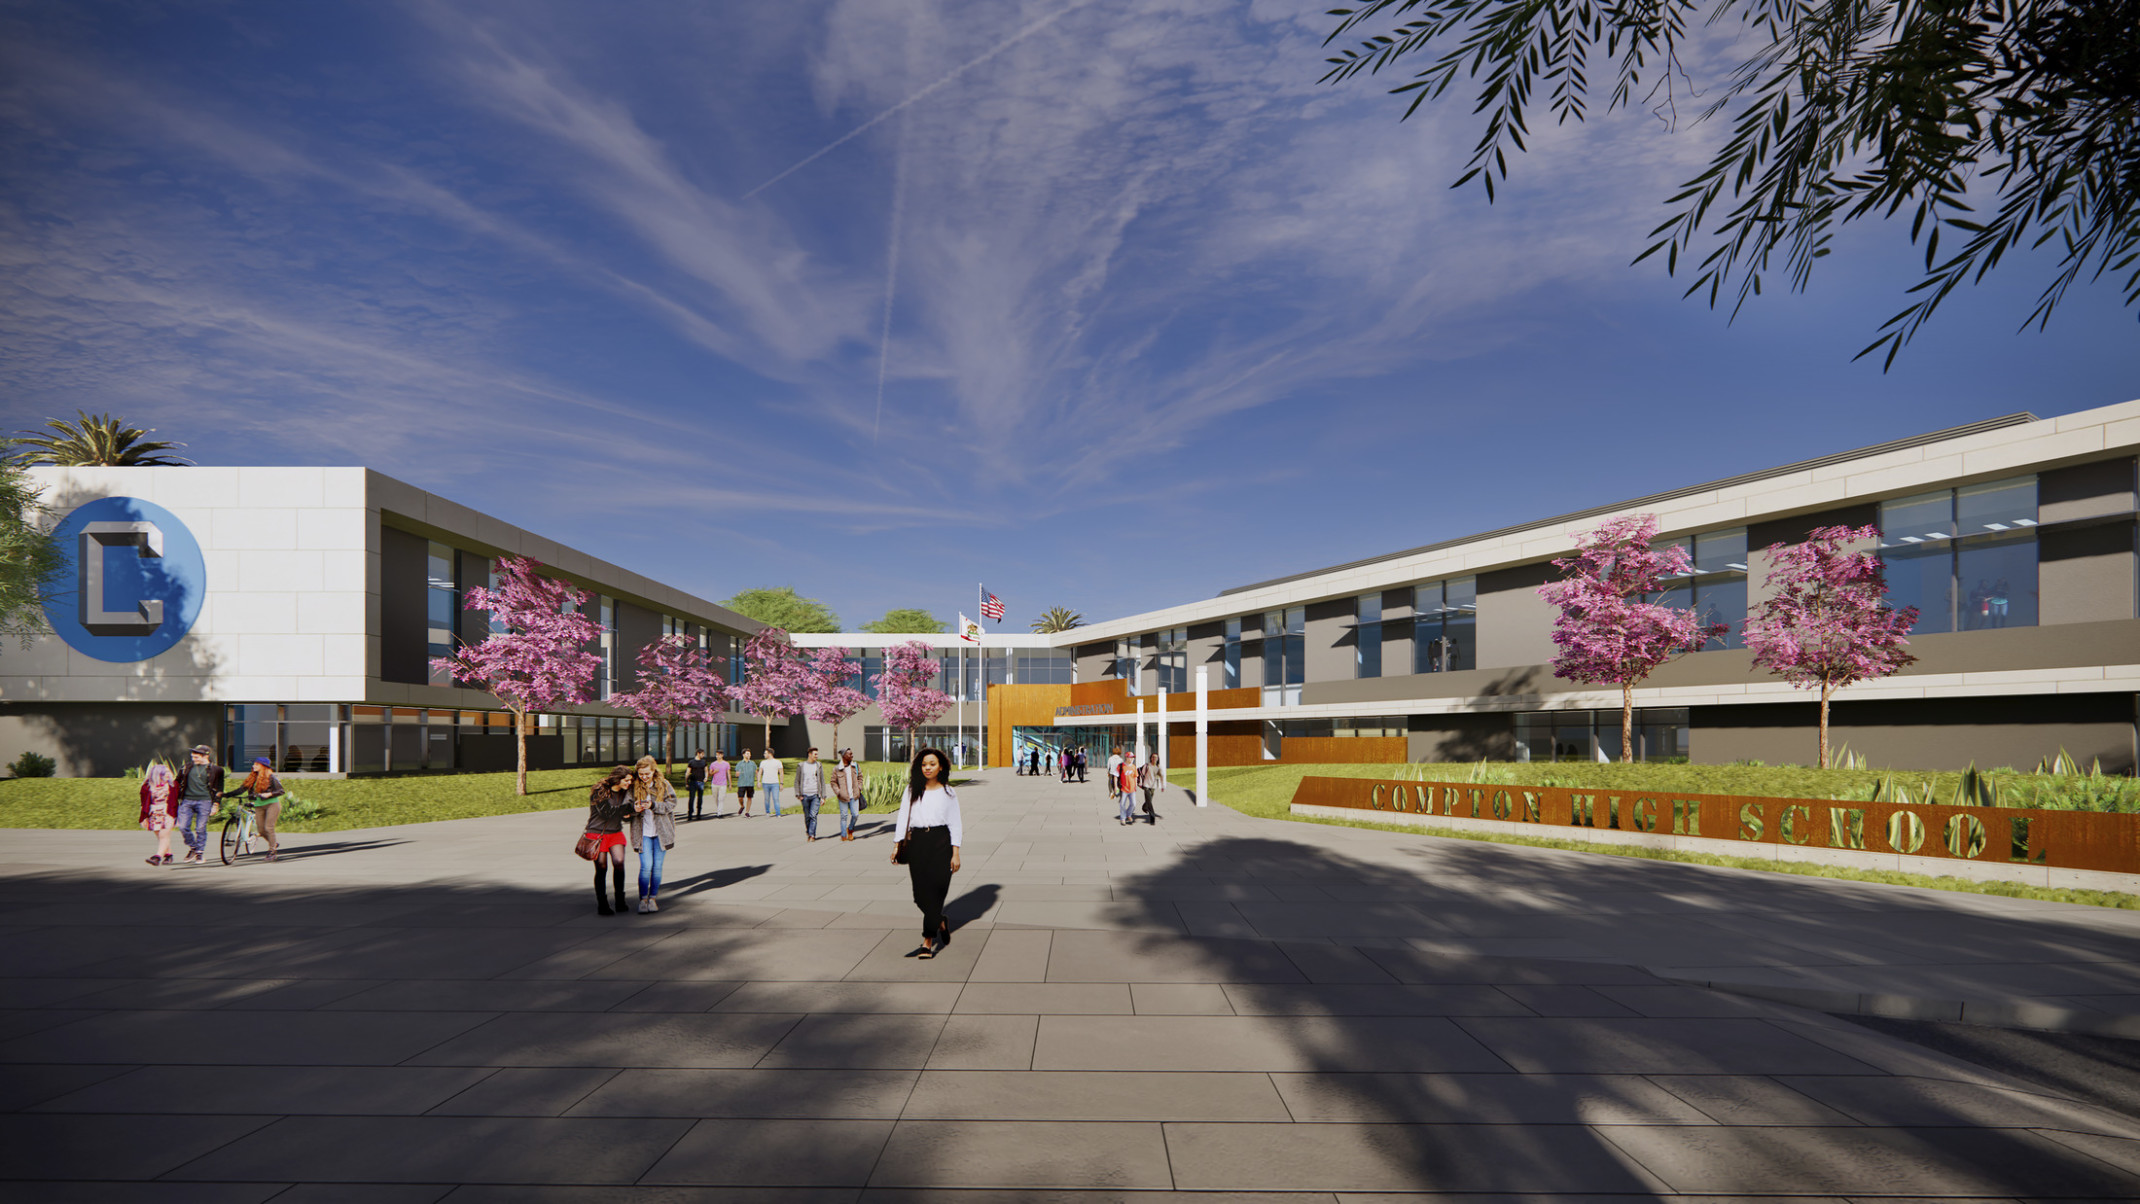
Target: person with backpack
(200, 786)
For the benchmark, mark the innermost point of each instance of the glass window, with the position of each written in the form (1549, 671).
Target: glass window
(1233, 655)
(1997, 584)
(1965, 558)
(442, 608)
(1284, 648)
(1445, 626)
(1367, 637)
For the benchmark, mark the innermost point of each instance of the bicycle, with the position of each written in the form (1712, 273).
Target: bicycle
(238, 834)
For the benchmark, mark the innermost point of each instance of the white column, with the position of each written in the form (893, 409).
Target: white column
(1203, 731)
(1159, 749)
(1140, 731)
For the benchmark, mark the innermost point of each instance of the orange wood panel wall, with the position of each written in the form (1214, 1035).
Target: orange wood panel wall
(1020, 706)
(1343, 750)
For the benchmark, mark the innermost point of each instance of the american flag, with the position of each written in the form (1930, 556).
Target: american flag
(991, 606)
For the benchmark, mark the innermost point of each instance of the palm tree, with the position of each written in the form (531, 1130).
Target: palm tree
(94, 440)
(1057, 618)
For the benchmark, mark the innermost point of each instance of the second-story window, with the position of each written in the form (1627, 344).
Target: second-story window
(1367, 637)
(1965, 558)
(1285, 639)
(1232, 653)
(1716, 592)
(442, 607)
(1445, 626)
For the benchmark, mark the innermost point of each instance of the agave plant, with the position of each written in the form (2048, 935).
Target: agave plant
(1057, 618)
(92, 441)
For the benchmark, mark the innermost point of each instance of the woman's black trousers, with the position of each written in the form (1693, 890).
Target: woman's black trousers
(929, 867)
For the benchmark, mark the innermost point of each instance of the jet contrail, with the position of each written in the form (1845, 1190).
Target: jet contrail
(945, 82)
(891, 272)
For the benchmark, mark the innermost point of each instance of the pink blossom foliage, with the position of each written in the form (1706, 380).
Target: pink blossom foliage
(1607, 632)
(677, 685)
(776, 679)
(536, 655)
(829, 699)
(1828, 625)
(904, 692)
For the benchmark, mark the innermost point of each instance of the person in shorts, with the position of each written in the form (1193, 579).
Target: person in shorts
(746, 783)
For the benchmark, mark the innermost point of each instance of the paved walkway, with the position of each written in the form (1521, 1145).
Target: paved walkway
(1215, 1005)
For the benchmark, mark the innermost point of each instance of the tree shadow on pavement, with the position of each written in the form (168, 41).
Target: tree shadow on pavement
(1428, 1068)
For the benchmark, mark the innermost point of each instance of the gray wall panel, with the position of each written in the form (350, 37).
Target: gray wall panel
(1515, 624)
(105, 739)
(636, 628)
(1945, 733)
(403, 622)
(2086, 574)
(2085, 491)
(1327, 648)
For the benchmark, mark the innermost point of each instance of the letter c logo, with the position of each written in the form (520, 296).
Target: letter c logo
(133, 584)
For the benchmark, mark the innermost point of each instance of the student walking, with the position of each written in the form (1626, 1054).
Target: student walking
(203, 785)
(1081, 763)
(770, 773)
(653, 829)
(810, 791)
(1122, 771)
(927, 834)
(1064, 758)
(847, 788)
(717, 780)
(262, 791)
(746, 782)
(609, 804)
(695, 783)
(1152, 779)
(159, 806)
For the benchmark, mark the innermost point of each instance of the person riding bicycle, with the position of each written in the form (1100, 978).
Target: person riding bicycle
(264, 794)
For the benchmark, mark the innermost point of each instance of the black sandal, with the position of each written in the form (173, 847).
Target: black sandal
(925, 953)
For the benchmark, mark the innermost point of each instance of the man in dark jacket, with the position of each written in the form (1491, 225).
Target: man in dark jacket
(200, 792)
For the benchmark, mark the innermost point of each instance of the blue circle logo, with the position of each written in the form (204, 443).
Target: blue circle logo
(133, 583)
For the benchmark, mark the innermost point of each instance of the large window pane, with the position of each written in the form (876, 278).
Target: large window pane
(1998, 581)
(1722, 599)
(1367, 636)
(1928, 517)
(1923, 576)
(1996, 506)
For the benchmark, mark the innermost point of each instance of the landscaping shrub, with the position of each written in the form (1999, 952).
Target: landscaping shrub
(32, 765)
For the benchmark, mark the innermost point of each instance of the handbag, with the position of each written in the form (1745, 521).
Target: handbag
(899, 851)
(585, 846)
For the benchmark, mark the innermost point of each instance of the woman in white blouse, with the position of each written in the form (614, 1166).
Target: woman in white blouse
(928, 824)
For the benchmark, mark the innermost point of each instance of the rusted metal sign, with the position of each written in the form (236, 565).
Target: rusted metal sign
(2078, 840)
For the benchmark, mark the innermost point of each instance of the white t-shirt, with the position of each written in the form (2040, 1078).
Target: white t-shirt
(936, 808)
(1114, 767)
(769, 771)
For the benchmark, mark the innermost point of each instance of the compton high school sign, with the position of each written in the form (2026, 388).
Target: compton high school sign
(2071, 840)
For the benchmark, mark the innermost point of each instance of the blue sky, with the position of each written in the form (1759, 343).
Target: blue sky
(1109, 304)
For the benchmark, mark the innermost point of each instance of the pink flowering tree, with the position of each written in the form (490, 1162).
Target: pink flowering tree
(905, 690)
(536, 655)
(1607, 632)
(677, 685)
(828, 698)
(1828, 624)
(775, 679)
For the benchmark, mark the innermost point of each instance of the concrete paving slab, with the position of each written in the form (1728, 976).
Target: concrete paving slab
(748, 1094)
(262, 1039)
(773, 1153)
(1541, 1159)
(820, 997)
(1097, 1096)
(1023, 1154)
(321, 1091)
(1286, 1000)
(857, 1042)
(1046, 998)
(1531, 1099)
(1645, 1045)
(527, 1091)
(976, 1042)
(1302, 1043)
(1180, 999)
(1013, 955)
(1741, 1099)
(110, 1147)
(431, 1149)
(569, 1039)
(1957, 1162)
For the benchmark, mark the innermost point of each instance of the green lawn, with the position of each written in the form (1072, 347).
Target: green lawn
(115, 803)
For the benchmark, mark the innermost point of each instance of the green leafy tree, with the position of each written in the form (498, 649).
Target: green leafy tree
(90, 441)
(784, 608)
(1057, 618)
(906, 620)
(2005, 124)
(29, 557)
